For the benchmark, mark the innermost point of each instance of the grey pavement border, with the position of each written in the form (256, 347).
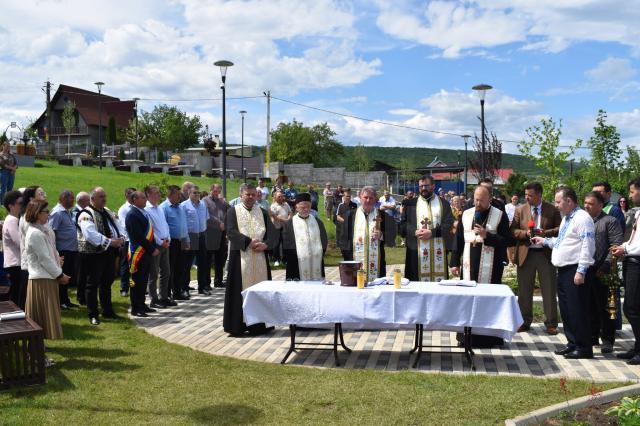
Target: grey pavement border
(542, 414)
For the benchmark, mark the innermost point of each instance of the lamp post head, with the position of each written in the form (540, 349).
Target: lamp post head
(223, 67)
(242, 113)
(99, 84)
(482, 90)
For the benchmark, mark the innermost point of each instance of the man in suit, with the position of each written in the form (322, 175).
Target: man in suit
(141, 248)
(216, 235)
(535, 218)
(495, 202)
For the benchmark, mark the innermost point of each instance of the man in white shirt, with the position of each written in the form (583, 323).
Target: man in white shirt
(630, 252)
(159, 267)
(511, 207)
(280, 212)
(124, 264)
(572, 253)
(263, 189)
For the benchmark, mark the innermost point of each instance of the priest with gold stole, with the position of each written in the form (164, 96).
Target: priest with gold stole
(250, 234)
(304, 242)
(368, 231)
(427, 224)
(482, 238)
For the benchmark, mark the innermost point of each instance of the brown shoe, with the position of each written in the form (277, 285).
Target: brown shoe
(552, 331)
(523, 328)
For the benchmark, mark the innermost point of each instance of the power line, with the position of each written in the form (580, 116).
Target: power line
(402, 126)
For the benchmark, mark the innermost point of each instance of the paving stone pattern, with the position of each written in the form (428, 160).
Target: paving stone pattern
(197, 323)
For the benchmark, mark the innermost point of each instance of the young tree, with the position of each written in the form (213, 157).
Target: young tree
(111, 131)
(542, 148)
(515, 184)
(492, 157)
(605, 148)
(69, 121)
(362, 161)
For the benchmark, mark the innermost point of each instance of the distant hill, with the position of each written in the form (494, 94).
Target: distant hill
(424, 156)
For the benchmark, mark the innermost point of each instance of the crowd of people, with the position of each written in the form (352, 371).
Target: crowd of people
(153, 245)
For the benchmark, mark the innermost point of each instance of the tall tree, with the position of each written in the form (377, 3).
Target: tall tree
(296, 143)
(605, 148)
(166, 127)
(542, 147)
(515, 184)
(69, 121)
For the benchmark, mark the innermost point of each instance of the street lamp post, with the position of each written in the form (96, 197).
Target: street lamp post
(223, 72)
(244, 175)
(136, 150)
(482, 91)
(99, 84)
(466, 163)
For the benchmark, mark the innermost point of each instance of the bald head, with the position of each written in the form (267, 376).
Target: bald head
(482, 198)
(82, 199)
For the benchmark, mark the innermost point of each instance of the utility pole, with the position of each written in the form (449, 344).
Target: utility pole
(267, 156)
(49, 117)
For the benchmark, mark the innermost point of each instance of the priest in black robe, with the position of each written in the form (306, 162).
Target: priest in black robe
(482, 230)
(250, 234)
(344, 225)
(439, 230)
(304, 241)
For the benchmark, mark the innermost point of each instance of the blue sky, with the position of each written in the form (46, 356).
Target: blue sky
(406, 62)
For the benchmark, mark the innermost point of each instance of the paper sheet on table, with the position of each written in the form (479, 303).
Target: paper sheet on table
(8, 316)
(386, 280)
(462, 283)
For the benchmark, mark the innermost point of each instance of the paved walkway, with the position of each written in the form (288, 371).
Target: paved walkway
(197, 323)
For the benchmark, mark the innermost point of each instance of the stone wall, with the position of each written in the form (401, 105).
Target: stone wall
(305, 173)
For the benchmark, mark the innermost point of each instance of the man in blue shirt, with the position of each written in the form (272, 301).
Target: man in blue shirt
(179, 241)
(290, 194)
(159, 268)
(196, 214)
(62, 223)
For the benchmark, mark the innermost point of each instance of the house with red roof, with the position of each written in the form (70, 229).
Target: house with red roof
(92, 111)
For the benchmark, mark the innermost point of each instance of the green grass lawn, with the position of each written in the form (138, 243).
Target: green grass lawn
(116, 373)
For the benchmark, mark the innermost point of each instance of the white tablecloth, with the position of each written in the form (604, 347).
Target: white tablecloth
(490, 309)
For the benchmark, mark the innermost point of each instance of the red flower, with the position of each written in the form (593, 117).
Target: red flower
(563, 385)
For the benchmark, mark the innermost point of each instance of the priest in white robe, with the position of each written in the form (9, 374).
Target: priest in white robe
(304, 241)
(250, 234)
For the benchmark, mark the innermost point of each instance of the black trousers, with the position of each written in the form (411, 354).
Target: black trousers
(81, 272)
(17, 289)
(199, 253)
(176, 266)
(100, 268)
(217, 258)
(574, 301)
(140, 279)
(68, 268)
(124, 268)
(276, 253)
(601, 325)
(347, 254)
(631, 304)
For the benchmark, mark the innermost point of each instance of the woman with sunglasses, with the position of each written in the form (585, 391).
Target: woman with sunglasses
(45, 271)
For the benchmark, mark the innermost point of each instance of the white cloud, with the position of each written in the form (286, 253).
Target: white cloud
(403, 111)
(458, 28)
(612, 70)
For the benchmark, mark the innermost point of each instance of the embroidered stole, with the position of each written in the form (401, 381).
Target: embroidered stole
(364, 249)
(136, 251)
(487, 253)
(308, 247)
(432, 261)
(252, 264)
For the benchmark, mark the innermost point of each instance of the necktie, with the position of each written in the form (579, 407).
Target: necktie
(535, 215)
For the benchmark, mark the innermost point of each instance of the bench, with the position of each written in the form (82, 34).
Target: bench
(65, 162)
(116, 163)
(176, 172)
(196, 173)
(123, 168)
(87, 162)
(156, 169)
(144, 169)
(21, 351)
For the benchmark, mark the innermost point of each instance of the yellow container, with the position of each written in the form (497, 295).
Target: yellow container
(361, 278)
(397, 278)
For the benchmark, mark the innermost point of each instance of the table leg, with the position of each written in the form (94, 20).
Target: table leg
(344, 346)
(415, 344)
(468, 351)
(335, 345)
(420, 334)
(292, 346)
